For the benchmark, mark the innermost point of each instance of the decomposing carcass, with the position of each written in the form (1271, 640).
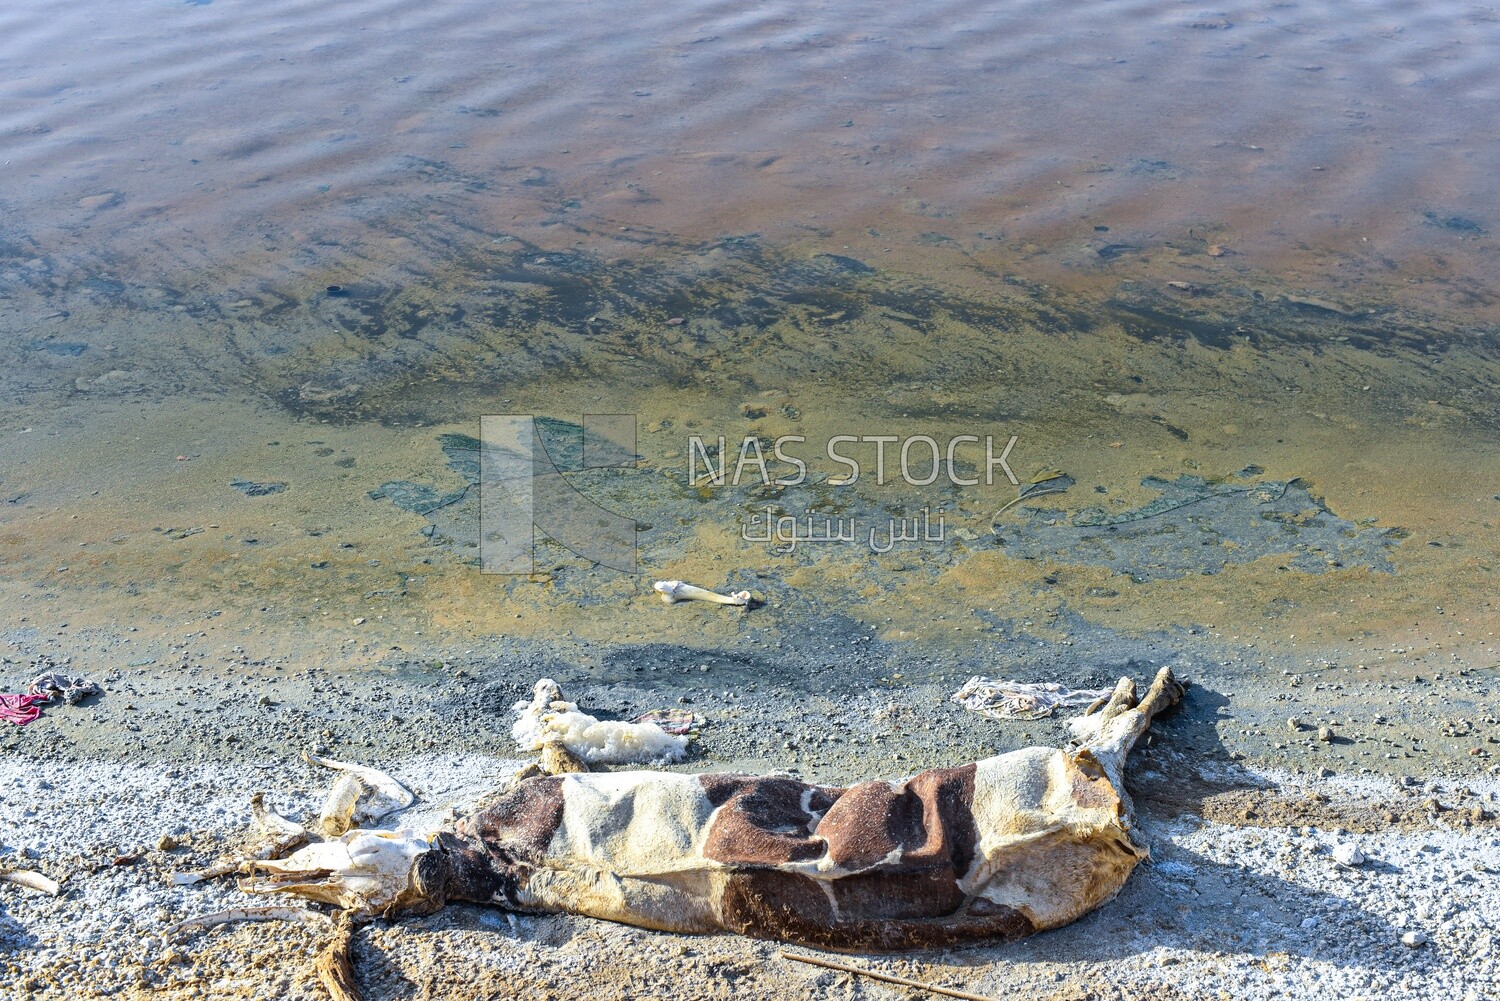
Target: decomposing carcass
(999, 848)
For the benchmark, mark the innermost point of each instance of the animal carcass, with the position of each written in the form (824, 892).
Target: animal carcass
(1000, 848)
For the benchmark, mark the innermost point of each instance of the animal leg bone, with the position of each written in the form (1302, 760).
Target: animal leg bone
(387, 796)
(1110, 741)
(673, 591)
(235, 915)
(1088, 726)
(32, 881)
(271, 836)
(1120, 700)
(339, 808)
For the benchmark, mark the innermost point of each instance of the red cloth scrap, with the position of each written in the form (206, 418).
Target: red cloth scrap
(22, 709)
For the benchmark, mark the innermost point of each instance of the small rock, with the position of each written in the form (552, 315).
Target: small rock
(1294, 724)
(166, 843)
(252, 489)
(103, 200)
(1414, 939)
(674, 321)
(1348, 855)
(1325, 734)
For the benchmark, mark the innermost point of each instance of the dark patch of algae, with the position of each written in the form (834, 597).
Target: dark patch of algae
(1383, 421)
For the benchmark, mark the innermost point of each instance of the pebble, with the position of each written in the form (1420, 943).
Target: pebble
(1348, 855)
(1414, 939)
(1325, 734)
(103, 200)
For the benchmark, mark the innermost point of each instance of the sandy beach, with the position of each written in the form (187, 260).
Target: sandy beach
(1242, 894)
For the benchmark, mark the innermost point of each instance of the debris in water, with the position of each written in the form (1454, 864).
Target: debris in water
(1048, 481)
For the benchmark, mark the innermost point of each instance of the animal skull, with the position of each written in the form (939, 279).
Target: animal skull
(367, 873)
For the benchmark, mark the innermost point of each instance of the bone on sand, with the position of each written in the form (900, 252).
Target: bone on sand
(32, 881)
(673, 591)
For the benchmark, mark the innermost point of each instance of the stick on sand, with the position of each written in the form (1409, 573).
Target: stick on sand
(888, 978)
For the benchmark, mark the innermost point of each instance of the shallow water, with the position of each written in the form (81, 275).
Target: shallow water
(1241, 255)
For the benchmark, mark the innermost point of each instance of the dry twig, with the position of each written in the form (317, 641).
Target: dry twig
(888, 978)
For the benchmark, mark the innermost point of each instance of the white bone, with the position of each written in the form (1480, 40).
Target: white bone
(673, 591)
(389, 794)
(234, 915)
(338, 809)
(32, 881)
(267, 824)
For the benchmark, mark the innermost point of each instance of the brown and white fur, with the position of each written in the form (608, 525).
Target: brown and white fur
(999, 848)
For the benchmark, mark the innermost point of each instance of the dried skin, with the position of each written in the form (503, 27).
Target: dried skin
(333, 966)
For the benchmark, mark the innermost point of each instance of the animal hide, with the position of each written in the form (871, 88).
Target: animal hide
(999, 848)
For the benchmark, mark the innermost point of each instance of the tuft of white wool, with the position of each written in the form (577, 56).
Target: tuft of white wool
(1085, 729)
(597, 742)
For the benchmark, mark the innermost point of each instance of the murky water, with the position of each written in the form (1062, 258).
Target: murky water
(1229, 270)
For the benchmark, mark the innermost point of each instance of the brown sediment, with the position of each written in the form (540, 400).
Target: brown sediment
(1267, 808)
